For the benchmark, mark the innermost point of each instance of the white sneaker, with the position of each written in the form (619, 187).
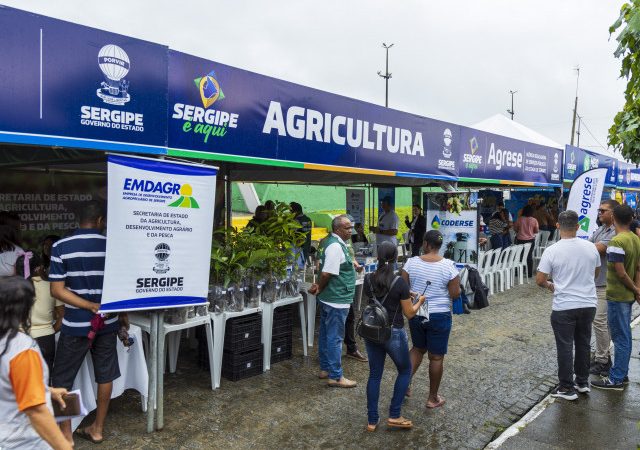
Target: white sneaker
(582, 388)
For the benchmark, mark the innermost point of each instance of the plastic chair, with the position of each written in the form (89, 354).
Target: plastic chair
(501, 270)
(521, 263)
(515, 264)
(491, 266)
(539, 249)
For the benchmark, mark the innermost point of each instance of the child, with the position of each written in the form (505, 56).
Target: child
(47, 312)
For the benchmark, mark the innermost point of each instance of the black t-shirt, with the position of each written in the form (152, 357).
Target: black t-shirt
(400, 291)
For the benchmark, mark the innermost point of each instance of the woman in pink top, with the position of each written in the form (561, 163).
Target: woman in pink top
(526, 228)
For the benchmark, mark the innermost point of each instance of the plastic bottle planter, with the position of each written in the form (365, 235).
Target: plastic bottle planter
(176, 316)
(217, 298)
(235, 298)
(201, 311)
(271, 290)
(253, 293)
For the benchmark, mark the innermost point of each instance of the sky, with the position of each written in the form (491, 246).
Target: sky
(452, 60)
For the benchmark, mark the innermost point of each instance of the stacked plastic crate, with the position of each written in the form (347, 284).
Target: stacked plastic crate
(242, 357)
(282, 340)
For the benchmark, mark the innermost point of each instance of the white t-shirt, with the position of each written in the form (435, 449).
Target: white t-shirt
(387, 221)
(333, 257)
(572, 264)
(8, 262)
(438, 274)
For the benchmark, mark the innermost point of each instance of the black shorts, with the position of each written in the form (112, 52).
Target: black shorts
(71, 352)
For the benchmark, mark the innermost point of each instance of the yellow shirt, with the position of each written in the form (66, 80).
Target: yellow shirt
(42, 317)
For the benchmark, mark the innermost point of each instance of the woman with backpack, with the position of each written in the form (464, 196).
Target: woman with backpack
(392, 292)
(438, 278)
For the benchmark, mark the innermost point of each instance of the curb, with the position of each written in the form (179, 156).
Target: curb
(532, 414)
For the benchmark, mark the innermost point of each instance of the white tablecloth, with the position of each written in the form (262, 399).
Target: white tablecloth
(133, 374)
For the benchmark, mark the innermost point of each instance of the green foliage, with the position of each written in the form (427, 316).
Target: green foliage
(257, 251)
(624, 134)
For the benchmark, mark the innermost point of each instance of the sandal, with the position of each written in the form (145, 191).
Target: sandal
(83, 434)
(372, 427)
(399, 422)
(441, 401)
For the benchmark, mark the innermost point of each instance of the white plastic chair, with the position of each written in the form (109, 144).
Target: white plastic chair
(539, 249)
(516, 264)
(509, 265)
(521, 263)
(500, 269)
(489, 270)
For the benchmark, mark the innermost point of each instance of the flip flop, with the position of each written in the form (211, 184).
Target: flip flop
(372, 427)
(82, 434)
(400, 422)
(437, 405)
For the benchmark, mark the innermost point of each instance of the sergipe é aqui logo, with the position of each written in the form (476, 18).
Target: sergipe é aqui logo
(204, 120)
(471, 160)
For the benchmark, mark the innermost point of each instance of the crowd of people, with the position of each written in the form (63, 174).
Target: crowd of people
(595, 279)
(56, 289)
(424, 276)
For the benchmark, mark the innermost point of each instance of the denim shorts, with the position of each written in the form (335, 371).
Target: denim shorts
(432, 335)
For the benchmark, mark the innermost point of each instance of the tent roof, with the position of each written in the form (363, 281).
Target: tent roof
(503, 126)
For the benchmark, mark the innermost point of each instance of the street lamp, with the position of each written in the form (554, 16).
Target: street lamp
(386, 76)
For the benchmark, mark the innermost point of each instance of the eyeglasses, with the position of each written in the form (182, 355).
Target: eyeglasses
(602, 211)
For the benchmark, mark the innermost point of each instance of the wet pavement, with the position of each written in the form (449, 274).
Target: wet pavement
(501, 362)
(599, 420)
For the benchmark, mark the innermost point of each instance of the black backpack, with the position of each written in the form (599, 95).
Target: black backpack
(374, 324)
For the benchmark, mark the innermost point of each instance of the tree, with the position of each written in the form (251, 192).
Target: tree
(624, 134)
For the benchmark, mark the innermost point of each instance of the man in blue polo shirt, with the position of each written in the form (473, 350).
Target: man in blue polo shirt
(76, 275)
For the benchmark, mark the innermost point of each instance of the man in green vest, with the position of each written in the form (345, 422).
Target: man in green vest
(335, 290)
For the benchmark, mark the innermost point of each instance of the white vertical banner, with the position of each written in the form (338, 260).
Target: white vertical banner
(585, 197)
(159, 230)
(355, 205)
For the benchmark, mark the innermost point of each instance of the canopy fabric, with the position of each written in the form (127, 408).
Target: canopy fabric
(501, 125)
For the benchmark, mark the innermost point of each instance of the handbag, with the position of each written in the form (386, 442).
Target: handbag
(374, 324)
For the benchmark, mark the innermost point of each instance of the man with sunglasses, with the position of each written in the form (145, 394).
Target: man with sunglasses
(601, 237)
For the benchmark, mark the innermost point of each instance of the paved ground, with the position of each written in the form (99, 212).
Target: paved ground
(501, 362)
(602, 419)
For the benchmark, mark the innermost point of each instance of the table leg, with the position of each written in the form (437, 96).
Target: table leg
(211, 358)
(311, 318)
(303, 328)
(219, 323)
(267, 331)
(152, 367)
(161, 357)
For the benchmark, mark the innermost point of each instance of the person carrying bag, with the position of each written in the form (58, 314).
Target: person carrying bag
(383, 331)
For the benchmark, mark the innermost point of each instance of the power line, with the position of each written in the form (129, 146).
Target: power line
(594, 138)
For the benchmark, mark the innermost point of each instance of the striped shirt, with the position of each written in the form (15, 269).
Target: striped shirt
(78, 260)
(438, 274)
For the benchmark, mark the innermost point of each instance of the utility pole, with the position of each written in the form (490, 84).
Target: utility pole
(575, 106)
(386, 76)
(511, 111)
(578, 132)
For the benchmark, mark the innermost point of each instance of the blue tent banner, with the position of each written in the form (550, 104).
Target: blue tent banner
(492, 158)
(215, 109)
(578, 160)
(66, 84)
(628, 176)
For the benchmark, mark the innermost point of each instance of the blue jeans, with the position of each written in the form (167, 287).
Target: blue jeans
(398, 349)
(619, 318)
(497, 241)
(330, 339)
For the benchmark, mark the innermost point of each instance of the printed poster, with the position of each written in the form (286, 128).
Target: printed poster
(159, 229)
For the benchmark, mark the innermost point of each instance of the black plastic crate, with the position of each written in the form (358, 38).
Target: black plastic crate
(282, 328)
(240, 365)
(283, 313)
(243, 333)
(281, 349)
